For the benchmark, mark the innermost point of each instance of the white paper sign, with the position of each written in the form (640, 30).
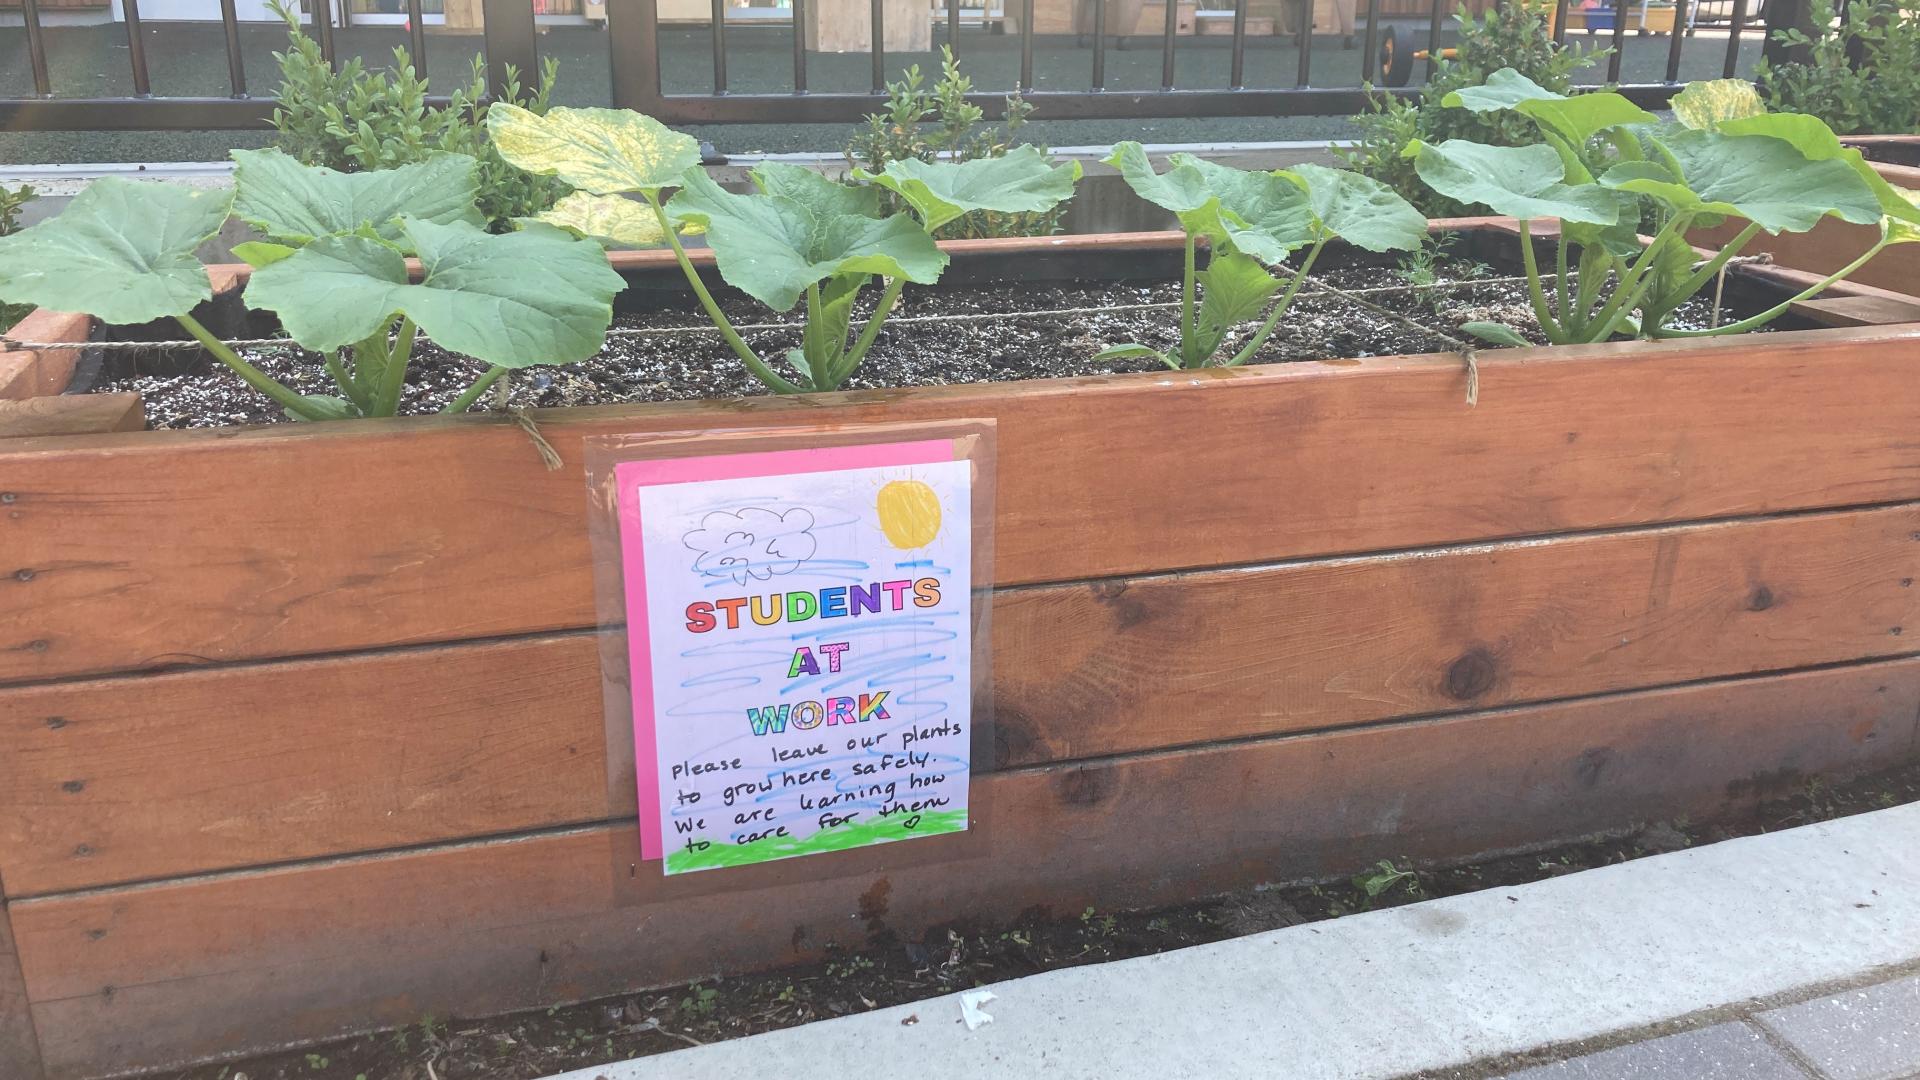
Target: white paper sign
(803, 681)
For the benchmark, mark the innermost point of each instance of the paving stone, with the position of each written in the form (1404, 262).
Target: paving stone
(1721, 1052)
(1867, 1034)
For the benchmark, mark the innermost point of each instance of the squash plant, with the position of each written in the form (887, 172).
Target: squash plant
(333, 268)
(1603, 166)
(1253, 221)
(798, 235)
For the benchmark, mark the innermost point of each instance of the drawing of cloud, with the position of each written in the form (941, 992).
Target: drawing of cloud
(753, 542)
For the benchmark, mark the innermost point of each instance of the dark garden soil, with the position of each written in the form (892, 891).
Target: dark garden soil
(891, 970)
(936, 336)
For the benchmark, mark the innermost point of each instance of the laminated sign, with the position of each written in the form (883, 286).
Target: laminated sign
(800, 644)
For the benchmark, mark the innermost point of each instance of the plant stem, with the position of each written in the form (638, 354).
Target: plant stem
(870, 332)
(1187, 359)
(1628, 293)
(346, 382)
(1280, 308)
(252, 376)
(740, 348)
(393, 377)
(1780, 309)
(1560, 274)
(1535, 293)
(472, 393)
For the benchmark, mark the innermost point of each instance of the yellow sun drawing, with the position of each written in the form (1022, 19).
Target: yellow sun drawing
(909, 513)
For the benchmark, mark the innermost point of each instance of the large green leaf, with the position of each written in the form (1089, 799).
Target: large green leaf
(294, 204)
(1023, 181)
(824, 197)
(1182, 189)
(1812, 137)
(1266, 215)
(1757, 177)
(608, 218)
(603, 151)
(1237, 288)
(1707, 103)
(1361, 210)
(122, 252)
(772, 247)
(1517, 181)
(1575, 119)
(514, 300)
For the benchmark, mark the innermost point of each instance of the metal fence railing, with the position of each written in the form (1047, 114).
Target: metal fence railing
(634, 39)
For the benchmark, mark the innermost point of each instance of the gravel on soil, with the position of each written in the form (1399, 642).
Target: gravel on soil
(971, 334)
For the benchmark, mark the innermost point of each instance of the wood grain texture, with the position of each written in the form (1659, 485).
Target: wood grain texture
(71, 414)
(148, 975)
(130, 778)
(1859, 310)
(301, 539)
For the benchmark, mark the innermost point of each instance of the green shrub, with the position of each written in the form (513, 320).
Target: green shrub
(355, 119)
(10, 203)
(903, 133)
(1509, 35)
(1863, 71)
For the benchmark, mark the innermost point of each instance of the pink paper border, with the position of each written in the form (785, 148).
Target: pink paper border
(629, 477)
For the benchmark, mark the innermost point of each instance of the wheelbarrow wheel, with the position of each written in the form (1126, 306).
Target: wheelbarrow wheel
(1394, 64)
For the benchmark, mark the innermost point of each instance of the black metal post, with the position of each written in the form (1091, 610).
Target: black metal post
(37, 49)
(323, 29)
(1739, 23)
(1238, 77)
(799, 47)
(417, 36)
(507, 26)
(136, 47)
(1168, 27)
(236, 67)
(1305, 40)
(633, 50)
(1099, 44)
(1619, 39)
(1433, 34)
(720, 48)
(878, 24)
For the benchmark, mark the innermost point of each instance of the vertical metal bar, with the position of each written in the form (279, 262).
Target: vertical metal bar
(1099, 44)
(1733, 38)
(323, 28)
(1619, 39)
(1238, 79)
(236, 68)
(136, 47)
(1678, 34)
(1305, 40)
(37, 49)
(417, 36)
(799, 47)
(953, 26)
(1373, 37)
(346, 14)
(509, 37)
(633, 55)
(1433, 35)
(1026, 45)
(720, 47)
(1167, 27)
(1560, 22)
(878, 48)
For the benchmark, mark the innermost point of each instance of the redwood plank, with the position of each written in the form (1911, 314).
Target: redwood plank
(1824, 249)
(302, 539)
(71, 414)
(1859, 310)
(153, 776)
(19, 1047)
(27, 374)
(147, 975)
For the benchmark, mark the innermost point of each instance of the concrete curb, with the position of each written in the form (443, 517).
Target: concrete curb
(1422, 987)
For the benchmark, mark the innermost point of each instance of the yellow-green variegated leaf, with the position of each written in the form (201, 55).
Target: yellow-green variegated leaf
(1905, 230)
(613, 219)
(602, 151)
(1704, 104)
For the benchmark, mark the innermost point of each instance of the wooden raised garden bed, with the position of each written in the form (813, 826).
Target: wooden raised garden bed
(303, 723)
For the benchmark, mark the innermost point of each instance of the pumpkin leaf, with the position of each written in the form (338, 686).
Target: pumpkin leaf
(294, 204)
(1183, 189)
(1361, 210)
(1494, 333)
(1023, 181)
(1266, 215)
(613, 219)
(1763, 179)
(772, 247)
(1708, 103)
(1575, 119)
(258, 253)
(826, 198)
(1236, 288)
(601, 151)
(513, 300)
(1130, 350)
(1515, 181)
(1813, 138)
(122, 252)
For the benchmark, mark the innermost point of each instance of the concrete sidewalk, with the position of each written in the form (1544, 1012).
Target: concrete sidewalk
(1709, 940)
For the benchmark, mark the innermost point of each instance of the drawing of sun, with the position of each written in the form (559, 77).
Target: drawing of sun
(909, 513)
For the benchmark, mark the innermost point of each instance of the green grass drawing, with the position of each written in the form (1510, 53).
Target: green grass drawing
(876, 831)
